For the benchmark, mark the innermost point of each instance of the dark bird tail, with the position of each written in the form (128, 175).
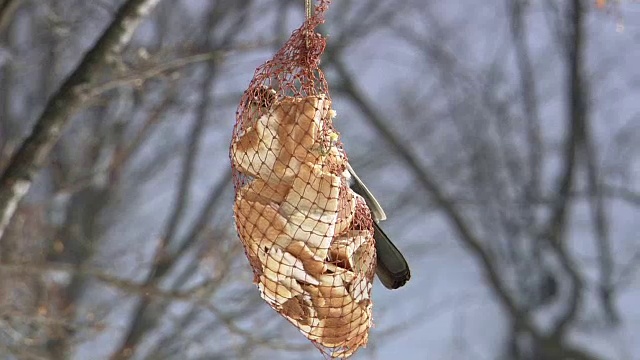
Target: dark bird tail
(392, 269)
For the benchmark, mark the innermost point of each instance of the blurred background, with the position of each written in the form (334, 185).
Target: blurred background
(502, 137)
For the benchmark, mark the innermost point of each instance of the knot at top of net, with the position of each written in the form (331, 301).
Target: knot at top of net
(294, 69)
(305, 46)
(309, 44)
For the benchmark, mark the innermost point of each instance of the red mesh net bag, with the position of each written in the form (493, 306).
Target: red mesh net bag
(307, 235)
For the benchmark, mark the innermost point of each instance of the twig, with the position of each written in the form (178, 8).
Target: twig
(576, 118)
(528, 93)
(192, 294)
(138, 77)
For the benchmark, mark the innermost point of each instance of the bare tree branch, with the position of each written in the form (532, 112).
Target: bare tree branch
(17, 177)
(137, 76)
(165, 256)
(528, 92)
(576, 118)
(7, 9)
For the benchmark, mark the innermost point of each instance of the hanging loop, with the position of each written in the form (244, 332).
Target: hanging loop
(308, 11)
(308, 8)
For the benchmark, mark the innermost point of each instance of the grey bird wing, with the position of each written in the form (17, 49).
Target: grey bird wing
(361, 189)
(392, 268)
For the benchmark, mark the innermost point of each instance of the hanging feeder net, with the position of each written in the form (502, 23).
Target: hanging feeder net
(308, 237)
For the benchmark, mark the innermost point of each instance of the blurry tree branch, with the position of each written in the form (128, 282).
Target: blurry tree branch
(18, 175)
(528, 88)
(625, 194)
(366, 17)
(198, 294)
(7, 10)
(139, 76)
(170, 249)
(45, 268)
(125, 152)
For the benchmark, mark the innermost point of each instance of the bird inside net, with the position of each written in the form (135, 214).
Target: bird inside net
(306, 234)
